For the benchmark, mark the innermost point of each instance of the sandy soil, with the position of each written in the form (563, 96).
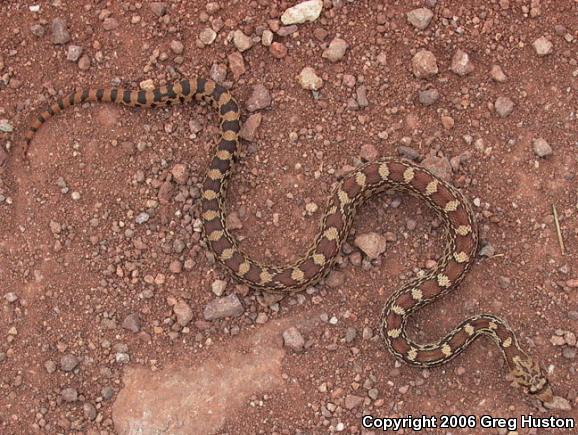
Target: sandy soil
(105, 280)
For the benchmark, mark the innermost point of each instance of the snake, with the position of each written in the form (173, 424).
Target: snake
(346, 198)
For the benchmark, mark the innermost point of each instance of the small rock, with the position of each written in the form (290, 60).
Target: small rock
(177, 47)
(504, 106)
(228, 306)
(180, 173)
(497, 74)
(68, 362)
(335, 279)
(242, 41)
(542, 46)
(428, 97)
(218, 287)
(218, 73)
(236, 64)
(250, 126)
(361, 96)
(107, 393)
(439, 166)
(50, 366)
(300, 13)
(308, 79)
(158, 8)
(59, 32)
(89, 411)
(336, 50)
(278, 50)
(541, 147)
(461, 63)
(368, 152)
(351, 401)
(132, 323)
(293, 339)
(74, 53)
(207, 36)
(11, 297)
(142, 217)
(424, 64)
(372, 244)
(69, 395)
(84, 63)
(37, 30)
(448, 122)
(260, 98)
(110, 23)
(408, 152)
(287, 30)
(267, 38)
(183, 312)
(420, 18)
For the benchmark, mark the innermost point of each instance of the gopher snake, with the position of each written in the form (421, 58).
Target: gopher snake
(366, 181)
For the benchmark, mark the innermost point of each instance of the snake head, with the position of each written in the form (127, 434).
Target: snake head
(528, 374)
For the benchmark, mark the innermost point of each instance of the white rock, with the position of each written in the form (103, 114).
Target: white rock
(308, 79)
(424, 64)
(300, 13)
(461, 63)
(541, 147)
(420, 18)
(336, 50)
(372, 244)
(542, 46)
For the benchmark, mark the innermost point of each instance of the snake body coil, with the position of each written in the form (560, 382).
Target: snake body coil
(366, 181)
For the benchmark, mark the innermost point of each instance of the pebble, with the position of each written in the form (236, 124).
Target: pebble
(368, 152)
(504, 106)
(302, 12)
(242, 41)
(59, 32)
(68, 362)
(183, 311)
(541, 147)
(177, 47)
(218, 73)
(260, 98)
(207, 36)
(228, 306)
(11, 297)
(89, 411)
(267, 38)
(308, 79)
(37, 30)
(335, 279)
(236, 64)
(218, 287)
(408, 152)
(69, 394)
(542, 46)
(488, 250)
(132, 323)
(461, 63)
(158, 8)
(74, 53)
(107, 392)
(361, 96)
(278, 50)
(142, 217)
(250, 126)
(5, 126)
(428, 97)
(372, 244)
(350, 334)
(439, 166)
(497, 74)
(180, 173)
(110, 24)
(424, 64)
(352, 401)
(293, 339)
(448, 122)
(420, 18)
(84, 63)
(336, 50)
(287, 30)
